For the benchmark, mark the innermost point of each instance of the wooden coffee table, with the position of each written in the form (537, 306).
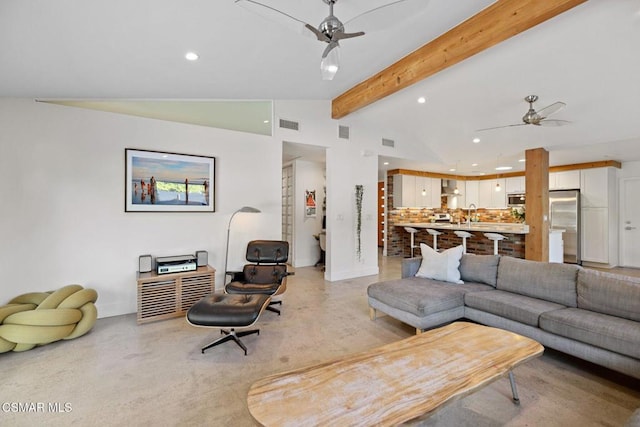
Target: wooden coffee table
(393, 383)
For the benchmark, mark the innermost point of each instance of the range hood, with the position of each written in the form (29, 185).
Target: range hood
(448, 188)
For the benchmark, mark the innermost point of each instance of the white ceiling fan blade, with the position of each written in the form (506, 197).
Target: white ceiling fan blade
(552, 122)
(274, 15)
(387, 15)
(550, 109)
(500, 127)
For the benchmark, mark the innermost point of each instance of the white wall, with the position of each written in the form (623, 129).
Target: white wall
(307, 176)
(349, 163)
(346, 168)
(62, 216)
(630, 170)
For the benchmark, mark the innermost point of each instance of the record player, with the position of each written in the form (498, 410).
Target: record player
(176, 264)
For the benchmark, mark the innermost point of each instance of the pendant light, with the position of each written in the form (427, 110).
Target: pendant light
(498, 175)
(455, 190)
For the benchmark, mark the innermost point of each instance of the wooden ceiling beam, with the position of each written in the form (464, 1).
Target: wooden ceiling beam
(498, 22)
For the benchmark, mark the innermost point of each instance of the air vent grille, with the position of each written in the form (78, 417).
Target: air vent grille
(388, 142)
(343, 132)
(289, 124)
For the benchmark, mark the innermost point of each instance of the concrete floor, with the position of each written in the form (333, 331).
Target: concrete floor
(123, 374)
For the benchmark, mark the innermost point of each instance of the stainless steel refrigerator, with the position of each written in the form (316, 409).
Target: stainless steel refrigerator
(564, 213)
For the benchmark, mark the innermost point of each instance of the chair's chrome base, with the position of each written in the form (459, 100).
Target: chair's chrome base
(275, 310)
(232, 335)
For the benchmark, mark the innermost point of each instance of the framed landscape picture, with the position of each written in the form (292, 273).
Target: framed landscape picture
(168, 182)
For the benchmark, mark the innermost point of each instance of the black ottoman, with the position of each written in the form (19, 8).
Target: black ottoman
(228, 311)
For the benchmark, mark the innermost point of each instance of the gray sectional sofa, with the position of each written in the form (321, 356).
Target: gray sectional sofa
(589, 314)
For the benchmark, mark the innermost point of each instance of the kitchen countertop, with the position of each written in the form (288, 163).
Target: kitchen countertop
(485, 227)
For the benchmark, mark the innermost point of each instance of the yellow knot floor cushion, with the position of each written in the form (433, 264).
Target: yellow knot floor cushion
(40, 318)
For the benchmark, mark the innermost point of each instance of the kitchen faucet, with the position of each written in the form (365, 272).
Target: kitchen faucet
(469, 212)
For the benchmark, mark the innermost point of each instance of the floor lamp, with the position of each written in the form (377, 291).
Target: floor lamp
(244, 209)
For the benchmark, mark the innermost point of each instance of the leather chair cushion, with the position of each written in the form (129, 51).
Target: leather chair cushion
(252, 288)
(227, 310)
(264, 274)
(268, 251)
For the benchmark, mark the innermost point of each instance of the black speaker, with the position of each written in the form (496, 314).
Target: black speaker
(202, 258)
(145, 263)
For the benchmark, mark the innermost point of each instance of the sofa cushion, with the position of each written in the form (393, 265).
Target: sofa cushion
(548, 281)
(479, 268)
(440, 266)
(420, 296)
(601, 330)
(511, 306)
(608, 293)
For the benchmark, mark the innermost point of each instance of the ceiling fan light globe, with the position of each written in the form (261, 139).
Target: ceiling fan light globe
(330, 64)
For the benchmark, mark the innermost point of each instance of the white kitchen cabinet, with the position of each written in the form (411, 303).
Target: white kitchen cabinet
(436, 191)
(596, 186)
(428, 192)
(599, 228)
(471, 193)
(404, 191)
(484, 193)
(565, 180)
(515, 184)
(499, 199)
(595, 235)
(423, 192)
(488, 197)
(410, 191)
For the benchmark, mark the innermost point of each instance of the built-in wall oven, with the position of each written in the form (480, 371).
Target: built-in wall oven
(515, 200)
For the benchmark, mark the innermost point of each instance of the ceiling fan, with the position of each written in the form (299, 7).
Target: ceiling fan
(537, 118)
(331, 30)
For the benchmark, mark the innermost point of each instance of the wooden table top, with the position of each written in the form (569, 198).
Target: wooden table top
(394, 383)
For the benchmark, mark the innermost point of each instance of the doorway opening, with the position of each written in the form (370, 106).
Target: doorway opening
(304, 203)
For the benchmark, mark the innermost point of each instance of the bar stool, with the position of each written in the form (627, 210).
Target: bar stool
(496, 238)
(464, 235)
(413, 232)
(435, 234)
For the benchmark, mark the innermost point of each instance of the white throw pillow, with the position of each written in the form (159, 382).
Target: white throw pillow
(440, 266)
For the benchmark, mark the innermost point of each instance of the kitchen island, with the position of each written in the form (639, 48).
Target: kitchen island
(482, 227)
(513, 245)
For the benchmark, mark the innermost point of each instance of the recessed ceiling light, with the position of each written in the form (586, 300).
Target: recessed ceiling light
(474, 164)
(422, 100)
(452, 170)
(522, 160)
(191, 56)
(386, 163)
(476, 140)
(504, 168)
(266, 121)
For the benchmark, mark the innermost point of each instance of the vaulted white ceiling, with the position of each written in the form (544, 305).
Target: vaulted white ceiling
(134, 50)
